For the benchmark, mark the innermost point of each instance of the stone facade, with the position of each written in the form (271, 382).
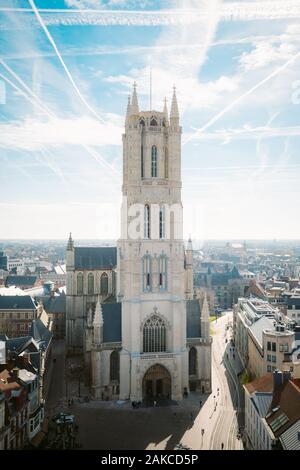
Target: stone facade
(154, 341)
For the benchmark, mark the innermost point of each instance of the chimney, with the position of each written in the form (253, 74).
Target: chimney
(277, 379)
(280, 378)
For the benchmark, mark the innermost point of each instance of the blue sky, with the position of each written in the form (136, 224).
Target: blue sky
(66, 68)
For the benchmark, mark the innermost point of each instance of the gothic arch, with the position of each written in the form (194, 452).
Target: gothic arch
(157, 382)
(153, 121)
(156, 312)
(147, 221)
(153, 161)
(114, 369)
(79, 280)
(192, 361)
(154, 335)
(104, 284)
(91, 282)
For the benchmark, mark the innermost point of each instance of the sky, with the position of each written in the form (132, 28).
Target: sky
(66, 69)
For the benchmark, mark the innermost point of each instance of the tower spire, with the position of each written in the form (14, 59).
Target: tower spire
(70, 245)
(128, 112)
(134, 101)
(165, 110)
(98, 323)
(174, 107)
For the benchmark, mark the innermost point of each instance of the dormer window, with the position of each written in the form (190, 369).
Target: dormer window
(153, 122)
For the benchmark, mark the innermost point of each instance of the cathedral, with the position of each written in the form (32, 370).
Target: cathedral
(131, 309)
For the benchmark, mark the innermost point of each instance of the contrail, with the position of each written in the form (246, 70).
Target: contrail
(20, 91)
(34, 100)
(51, 40)
(241, 97)
(231, 11)
(32, 94)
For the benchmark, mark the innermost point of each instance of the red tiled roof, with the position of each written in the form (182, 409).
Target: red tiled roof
(263, 384)
(7, 382)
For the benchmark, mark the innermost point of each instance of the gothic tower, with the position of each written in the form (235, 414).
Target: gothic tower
(151, 281)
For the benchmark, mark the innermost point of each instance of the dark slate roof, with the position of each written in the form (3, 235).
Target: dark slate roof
(220, 279)
(20, 344)
(40, 333)
(101, 257)
(112, 324)
(293, 301)
(56, 304)
(20, 281)
(193, 323)
(18, 302)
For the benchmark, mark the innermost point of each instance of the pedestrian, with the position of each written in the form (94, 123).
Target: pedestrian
(222, 445)
(200, 403)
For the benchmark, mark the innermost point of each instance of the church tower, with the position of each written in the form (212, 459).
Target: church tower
(151, 282)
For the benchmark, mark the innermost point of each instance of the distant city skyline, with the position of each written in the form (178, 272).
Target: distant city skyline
(64, 81)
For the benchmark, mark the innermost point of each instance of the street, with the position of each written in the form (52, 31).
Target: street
(222, 414)
(56, 392)
(104, 425)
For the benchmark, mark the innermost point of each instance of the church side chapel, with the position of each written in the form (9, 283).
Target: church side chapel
(131, 309)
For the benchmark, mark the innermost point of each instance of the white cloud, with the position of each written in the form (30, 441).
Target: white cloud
(180, 65)
(266, 53)
(84, 3)
(34, 134)
(188, 13)
(97, 4)
(248, 132)
(191, 93)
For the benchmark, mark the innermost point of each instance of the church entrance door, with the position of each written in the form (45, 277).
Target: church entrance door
(157, 382)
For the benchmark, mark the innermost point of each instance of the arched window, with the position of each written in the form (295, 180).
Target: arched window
(192, 361)
(147, 273)
(115, 366)
(147, 221)
(162, 221)
(153, 122)
(154, 161)
(163, 268)
(104, 284)
(79, 283)
(91, 284)
(154, 335)
(142, 122)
